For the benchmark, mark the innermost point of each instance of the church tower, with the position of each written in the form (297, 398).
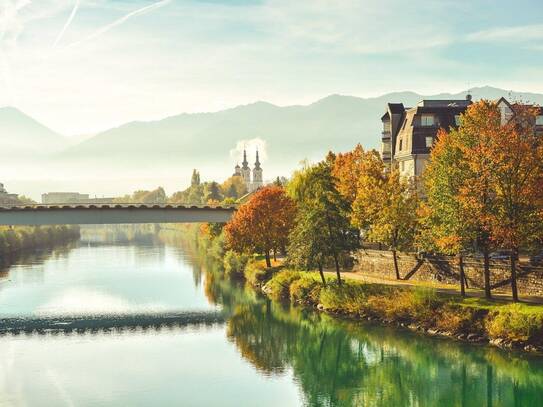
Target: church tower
(257, 175)
(246, 171)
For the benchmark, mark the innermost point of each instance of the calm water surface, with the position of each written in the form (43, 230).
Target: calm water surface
(263, 354)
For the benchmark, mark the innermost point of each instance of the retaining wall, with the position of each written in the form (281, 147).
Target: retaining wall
(444, 269)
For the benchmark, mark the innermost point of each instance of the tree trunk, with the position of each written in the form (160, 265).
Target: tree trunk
(462, 275)
(274, 255)
(322, 274)
(337, 269)
(514, 289)
(488, 294)
(396, 269)
(268, 262)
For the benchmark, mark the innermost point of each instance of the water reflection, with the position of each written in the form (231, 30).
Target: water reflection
(212, 333)
(339, 363)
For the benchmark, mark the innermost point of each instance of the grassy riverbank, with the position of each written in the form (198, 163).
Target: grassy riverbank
(507, 325)
(500, 323)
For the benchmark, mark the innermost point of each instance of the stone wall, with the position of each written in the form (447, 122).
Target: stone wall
(444, 269)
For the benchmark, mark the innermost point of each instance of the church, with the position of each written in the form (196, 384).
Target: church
(245, 173)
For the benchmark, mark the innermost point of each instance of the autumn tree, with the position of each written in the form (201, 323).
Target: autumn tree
(350, 167)
(263, 223)
(234, 187)
(516, 155)
(443, 225)
(480, 127)
(323, 229)
(385, 208)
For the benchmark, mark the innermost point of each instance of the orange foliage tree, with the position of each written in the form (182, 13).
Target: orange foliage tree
(348, 168)
(516, 153)
(262, 224)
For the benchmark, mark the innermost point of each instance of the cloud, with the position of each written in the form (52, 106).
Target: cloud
(508, 34)
(119, 21)
(251, 146)
(68, 22)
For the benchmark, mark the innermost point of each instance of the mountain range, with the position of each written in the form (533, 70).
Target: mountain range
(176, 144)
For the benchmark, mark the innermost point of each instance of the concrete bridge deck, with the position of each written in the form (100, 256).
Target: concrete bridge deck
(97, 214)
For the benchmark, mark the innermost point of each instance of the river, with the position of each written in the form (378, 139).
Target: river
(151, 324)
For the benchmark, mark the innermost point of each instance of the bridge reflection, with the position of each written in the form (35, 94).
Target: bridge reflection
(84, 324)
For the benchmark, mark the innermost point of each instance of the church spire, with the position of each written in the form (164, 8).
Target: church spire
(257, 162)
(245, 162)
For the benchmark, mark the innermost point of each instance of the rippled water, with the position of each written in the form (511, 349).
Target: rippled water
(157, 326)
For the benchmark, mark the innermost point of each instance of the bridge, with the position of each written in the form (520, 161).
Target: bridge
(79, 214)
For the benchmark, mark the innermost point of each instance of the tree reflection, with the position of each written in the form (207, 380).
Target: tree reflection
(340, 363)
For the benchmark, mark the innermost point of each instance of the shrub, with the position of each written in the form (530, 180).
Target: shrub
(257, 273)
(278, 288)
(306, 289)
(398, 304)
(349, 297)
(457, 319)
(234, 263)
(515, 323)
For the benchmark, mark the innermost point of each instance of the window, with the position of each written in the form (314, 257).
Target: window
(427, 120)
(402, 166)
(386, 126)
(457, 119)
(539, 120)
(429, 141)
(401, 142)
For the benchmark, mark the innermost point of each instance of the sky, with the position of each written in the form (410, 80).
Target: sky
(82, 66)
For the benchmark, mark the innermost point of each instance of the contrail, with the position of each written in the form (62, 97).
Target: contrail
(68, 22)
(121, 20)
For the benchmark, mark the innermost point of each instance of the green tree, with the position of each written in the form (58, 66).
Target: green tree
(195, 179)
(212, 192)
(443, 223)
(323, 216)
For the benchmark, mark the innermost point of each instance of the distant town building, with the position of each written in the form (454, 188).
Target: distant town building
(51, 198)
(409, 132)
(7, 198)
(245, 173)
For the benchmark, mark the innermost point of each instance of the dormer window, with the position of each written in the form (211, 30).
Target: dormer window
(429, 141)
(427, 120)
(539, 120)
(401, 143)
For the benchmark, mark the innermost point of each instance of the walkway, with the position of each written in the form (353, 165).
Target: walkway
(439, 287)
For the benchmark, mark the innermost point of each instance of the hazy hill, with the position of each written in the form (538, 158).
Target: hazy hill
(22, 136)
(147, 154)
(292, 132)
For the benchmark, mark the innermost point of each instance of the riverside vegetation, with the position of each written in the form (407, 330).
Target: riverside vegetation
(24, 238)
(482, 192)
(326, 210)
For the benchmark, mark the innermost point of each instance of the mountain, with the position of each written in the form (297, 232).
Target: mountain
(292, 133)
(22, 136)
(35, 159)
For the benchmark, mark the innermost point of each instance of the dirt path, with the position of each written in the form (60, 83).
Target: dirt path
(439, 287)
